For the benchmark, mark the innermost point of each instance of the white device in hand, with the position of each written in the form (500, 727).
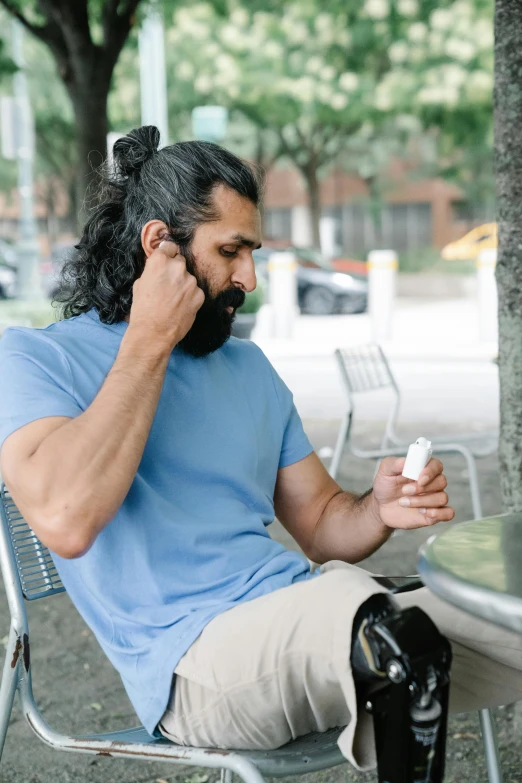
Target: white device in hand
(419, 454)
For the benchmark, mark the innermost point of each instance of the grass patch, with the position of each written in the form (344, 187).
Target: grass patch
(17, 312)
(454, 267)
(428, 259)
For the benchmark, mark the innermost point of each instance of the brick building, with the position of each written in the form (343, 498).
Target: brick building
(417, 213)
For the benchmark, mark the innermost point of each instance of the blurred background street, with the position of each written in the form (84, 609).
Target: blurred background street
(372, 124)
(446, 376)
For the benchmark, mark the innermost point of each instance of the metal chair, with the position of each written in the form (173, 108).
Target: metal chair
(29, 573)
(365, 369)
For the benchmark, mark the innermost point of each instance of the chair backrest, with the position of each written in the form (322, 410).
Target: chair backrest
(36, 569)
(365, 368)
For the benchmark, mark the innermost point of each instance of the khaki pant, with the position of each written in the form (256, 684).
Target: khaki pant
(275, 668)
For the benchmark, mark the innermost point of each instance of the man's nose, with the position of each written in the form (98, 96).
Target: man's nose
(244, 274)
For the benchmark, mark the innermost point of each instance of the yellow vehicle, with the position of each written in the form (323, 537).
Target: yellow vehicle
(469, 246)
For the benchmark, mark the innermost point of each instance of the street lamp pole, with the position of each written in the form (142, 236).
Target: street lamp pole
(153, 81)
(29, 284)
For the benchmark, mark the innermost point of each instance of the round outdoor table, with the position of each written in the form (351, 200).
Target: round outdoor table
(477, 566)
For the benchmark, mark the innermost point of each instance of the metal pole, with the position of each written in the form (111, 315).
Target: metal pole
(489, 737)
(29, 283)
(153, 81)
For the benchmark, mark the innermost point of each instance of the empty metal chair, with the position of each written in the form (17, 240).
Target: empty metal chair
(365, 369)
(29, 573)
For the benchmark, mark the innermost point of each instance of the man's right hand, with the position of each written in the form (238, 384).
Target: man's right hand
(166, 298)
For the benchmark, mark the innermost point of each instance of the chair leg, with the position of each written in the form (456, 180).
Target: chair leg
(226, 776)
(473, 484)
(9, 683)
(489, 738)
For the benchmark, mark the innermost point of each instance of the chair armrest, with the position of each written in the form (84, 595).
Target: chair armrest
(402, 450)
(479, 444)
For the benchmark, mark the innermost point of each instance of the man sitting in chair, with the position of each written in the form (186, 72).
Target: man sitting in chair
(150, 452)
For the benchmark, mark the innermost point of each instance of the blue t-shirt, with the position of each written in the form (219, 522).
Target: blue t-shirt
(190, 539)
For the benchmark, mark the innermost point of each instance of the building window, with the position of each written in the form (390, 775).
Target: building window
(278, 224)
(409, 226)
(402, 227)
(468, 212)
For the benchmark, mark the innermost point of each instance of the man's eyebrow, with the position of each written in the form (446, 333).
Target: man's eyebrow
(245, 241)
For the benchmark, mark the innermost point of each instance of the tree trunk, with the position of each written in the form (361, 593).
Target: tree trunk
(508, 161)
(375, 205)
(50, 198)
(91, 125)
(85, 68)
(71, 218)
(314, 199)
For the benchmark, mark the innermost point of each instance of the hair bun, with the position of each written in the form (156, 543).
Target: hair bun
(136, 148)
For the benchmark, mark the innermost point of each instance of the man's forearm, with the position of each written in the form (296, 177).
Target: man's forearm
(349, 529)
(84, 469)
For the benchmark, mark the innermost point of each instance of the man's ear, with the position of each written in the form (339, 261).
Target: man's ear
(152, 234)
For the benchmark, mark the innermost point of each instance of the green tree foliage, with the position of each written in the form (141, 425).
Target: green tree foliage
(55, 159)
(315, 75)
(450, 54)
(85, 38)
(56, 151)
(321, 82)
(7, 167)
(7, 66)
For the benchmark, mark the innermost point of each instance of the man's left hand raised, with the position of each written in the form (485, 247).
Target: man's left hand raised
(407, 504)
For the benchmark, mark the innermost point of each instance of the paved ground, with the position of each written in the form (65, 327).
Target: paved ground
(79, 691)
(423, 328)
(445, 373)
(461, 394)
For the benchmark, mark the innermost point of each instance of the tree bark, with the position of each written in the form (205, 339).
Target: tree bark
(314, 199)
(375, 206)
(91, 126)
(508, 162)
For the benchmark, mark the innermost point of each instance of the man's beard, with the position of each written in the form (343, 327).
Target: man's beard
(213, 324)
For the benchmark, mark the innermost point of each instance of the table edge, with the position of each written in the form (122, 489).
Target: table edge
(482, 602)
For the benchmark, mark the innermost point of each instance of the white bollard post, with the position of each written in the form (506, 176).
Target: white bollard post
(382, 275)
(282, 281)
(487, 295)
(327, 235)
(301, 226)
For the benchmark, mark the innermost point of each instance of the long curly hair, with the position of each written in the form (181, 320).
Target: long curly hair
(174, 184)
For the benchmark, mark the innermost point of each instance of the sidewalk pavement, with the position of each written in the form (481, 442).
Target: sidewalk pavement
(445, 374)
(427, 329)
(464, 395)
